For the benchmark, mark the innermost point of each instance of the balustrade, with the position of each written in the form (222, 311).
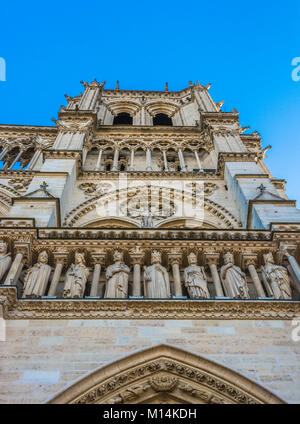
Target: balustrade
(25, 155)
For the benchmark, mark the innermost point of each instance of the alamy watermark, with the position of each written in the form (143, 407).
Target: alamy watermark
(2, 330)
(296, 70)
(2, 69)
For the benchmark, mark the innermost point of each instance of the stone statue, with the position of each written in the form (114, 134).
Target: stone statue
(5, 259)
(147, 221)
(278, 278)
(233, 279)
(37, 277)
(156, 279)
(76, 278)
(195, 279)
(117, 278)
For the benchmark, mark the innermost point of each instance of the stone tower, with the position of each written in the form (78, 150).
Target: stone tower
(147, 254)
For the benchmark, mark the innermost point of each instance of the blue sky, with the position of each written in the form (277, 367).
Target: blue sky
(244, 49)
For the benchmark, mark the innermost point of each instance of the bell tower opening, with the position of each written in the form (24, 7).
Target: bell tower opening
(162, 119)
(122, 118)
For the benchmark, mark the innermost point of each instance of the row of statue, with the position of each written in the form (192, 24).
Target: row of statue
(156, 277)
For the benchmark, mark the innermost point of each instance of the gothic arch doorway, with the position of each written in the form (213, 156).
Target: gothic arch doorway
(164, 374)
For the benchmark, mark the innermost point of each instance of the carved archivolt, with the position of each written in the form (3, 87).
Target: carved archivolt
(165, 374)
(221, 214)
(162, 107)
(117, 107)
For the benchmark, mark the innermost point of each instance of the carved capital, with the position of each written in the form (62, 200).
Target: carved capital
(61, 258)
(287, 249)
(25, 250)
(98, 257)
(211, 258)
(137, 255)
(175, 257)
(249, 259)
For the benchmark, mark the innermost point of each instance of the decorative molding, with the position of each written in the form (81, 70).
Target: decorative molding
(163, 373)
(145, 308)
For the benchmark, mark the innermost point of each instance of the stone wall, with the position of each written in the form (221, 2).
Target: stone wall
(41, 357)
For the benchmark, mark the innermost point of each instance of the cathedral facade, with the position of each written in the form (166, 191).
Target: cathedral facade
(147, 255)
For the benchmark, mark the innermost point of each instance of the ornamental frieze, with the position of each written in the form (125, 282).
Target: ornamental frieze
(14, 308)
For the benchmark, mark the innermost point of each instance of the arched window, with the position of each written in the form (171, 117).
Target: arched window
(123, 118)
(162, 119)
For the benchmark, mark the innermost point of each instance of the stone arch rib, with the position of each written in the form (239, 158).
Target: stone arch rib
(164, 374)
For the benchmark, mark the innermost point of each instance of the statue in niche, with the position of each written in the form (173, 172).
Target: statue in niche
(5, 259)
(76, 278)
(195, 279)
(156, 279)
(37, 277)
(233, 279)
(278, 278)
(117, 278)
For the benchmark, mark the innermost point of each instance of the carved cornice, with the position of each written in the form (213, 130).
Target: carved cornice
(147, 130)
(18, 130)
(144, 175)
(77, 115)
(224, 157)
(140, 309)
(213, 118)
(65, 154)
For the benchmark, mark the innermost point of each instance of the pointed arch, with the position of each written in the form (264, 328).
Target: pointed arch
(164, 374)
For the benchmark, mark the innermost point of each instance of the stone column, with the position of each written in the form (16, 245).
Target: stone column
(16, 159)
(15, 270)
(165, 161)
(249, 261)
(198, 160)
(148, 160)
(97, 167)
(181, 160)
(34, 159)
(98, 259)
(137, 257)
(292, 261)
(212, 259)
(60, 259)
(116, 159)
(3, 153)
(131, 160)
(175, 260)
